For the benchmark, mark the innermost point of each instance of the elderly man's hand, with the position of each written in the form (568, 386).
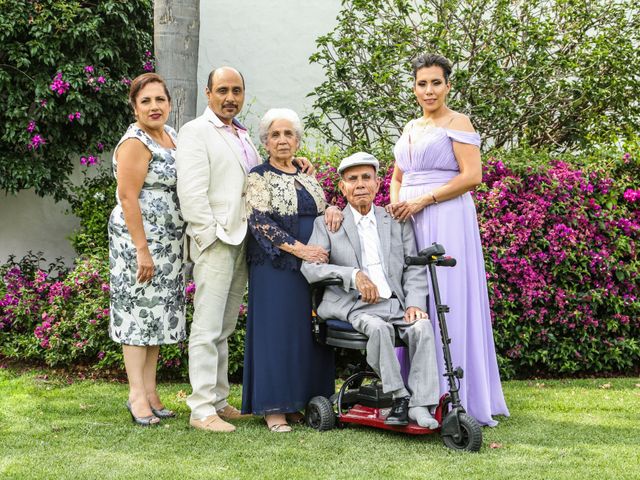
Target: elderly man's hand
(413, 314)
(305, 165)
(368, 290)
(333, 218)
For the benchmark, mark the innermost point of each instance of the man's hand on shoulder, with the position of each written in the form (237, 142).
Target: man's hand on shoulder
(413, 314)
(368, 290)
(305, 165)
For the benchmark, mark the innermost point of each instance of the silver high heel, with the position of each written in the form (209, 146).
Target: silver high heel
(142, 421)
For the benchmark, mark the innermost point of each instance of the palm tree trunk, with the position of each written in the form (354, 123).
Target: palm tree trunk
(176, 36)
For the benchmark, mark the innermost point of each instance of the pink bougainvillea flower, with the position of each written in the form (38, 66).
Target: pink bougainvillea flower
(36, 142)
(90, 160)
(100, 146)
(58, 85)
(148, 66)
(31, 127)
(88, 69)
(101, 79)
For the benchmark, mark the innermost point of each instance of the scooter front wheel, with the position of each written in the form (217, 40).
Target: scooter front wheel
(320, 415)
(471, 438)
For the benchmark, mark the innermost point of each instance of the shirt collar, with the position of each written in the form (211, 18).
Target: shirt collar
(220, 124)
(357, 216)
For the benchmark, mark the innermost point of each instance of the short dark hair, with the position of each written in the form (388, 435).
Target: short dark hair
(427, 60)
(142, 81)
(213, 72)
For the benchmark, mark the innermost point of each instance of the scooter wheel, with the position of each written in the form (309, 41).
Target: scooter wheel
(320, 415)
(471, 439)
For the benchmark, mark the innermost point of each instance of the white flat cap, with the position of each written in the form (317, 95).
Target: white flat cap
(358, 158)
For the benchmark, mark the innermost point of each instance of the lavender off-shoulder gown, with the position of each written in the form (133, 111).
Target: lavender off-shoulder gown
(428, 163)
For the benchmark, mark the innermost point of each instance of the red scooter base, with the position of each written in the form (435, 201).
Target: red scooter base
(375, 417)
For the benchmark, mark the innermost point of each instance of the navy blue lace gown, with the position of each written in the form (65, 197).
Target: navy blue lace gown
(283, 366)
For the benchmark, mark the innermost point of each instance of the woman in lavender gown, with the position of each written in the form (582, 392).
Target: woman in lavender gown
(437, 165)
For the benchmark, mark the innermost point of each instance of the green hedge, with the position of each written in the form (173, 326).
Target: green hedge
(560, 237)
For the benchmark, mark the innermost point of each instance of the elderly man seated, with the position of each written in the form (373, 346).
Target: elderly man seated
(367, 254)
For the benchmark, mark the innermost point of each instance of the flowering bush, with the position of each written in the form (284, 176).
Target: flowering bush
(61, 317)
(560, 238)
(561, 249)
(65, 69)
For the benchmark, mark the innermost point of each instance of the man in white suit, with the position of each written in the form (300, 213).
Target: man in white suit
(214, 155)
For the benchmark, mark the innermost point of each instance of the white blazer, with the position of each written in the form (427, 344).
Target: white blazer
(212, 182)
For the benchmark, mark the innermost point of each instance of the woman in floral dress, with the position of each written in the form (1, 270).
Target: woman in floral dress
(145, 247)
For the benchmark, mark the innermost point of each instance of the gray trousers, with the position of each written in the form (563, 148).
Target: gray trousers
(376, 321)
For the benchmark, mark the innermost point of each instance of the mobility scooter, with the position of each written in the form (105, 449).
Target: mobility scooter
(361, 399)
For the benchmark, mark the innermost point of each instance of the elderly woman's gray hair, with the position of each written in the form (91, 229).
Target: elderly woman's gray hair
(274, 114)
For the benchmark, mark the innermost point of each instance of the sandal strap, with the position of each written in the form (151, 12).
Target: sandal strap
(280, 427)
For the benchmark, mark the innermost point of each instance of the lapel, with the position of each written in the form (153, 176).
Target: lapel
(351, 230)
(384, 232)
(215, 122)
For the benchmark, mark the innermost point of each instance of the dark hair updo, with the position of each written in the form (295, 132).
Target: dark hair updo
(427, 60)
(142, 81)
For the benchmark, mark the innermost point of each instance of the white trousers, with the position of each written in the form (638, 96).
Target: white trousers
(220, 275)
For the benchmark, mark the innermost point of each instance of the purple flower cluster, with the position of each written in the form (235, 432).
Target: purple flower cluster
(631, 195)
(148, 65)
(88, 160)
(58, 85)
(74, 116)
(36, 142)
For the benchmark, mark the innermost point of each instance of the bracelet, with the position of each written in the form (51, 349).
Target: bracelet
(433, 197)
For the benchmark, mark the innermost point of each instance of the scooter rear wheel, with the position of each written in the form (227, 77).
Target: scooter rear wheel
(320, 415)
(471, 438)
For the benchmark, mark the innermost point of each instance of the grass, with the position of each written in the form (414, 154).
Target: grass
(53, 429)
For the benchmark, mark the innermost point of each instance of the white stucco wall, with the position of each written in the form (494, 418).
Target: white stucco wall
(268, 41)
(29, 222)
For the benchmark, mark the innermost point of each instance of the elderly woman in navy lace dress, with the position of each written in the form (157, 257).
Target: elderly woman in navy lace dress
(283, 366)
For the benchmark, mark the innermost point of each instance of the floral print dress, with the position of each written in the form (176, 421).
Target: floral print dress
(149, 313)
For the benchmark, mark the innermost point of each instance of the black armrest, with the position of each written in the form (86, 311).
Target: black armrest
(317, 289)
(326, 282)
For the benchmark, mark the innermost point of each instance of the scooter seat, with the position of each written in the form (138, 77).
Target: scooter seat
(334, 324)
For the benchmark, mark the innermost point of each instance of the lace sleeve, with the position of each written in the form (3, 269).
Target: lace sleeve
(262, 224)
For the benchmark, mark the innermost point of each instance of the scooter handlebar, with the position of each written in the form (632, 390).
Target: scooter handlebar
(419, 260)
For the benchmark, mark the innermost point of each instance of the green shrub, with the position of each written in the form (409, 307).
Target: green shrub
(556, 74)
(560, 238)
(65, 67)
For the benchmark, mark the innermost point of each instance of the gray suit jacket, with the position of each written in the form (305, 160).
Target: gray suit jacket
(396, 239)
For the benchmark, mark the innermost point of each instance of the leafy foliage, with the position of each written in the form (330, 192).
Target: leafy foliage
(560, 239)
(65, 67)
(563, 74)
(92, 201)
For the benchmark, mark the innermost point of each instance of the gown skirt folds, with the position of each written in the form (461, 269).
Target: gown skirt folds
(284, 367)
(428, 163)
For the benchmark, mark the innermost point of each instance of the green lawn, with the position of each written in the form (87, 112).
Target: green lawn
(577, 429)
